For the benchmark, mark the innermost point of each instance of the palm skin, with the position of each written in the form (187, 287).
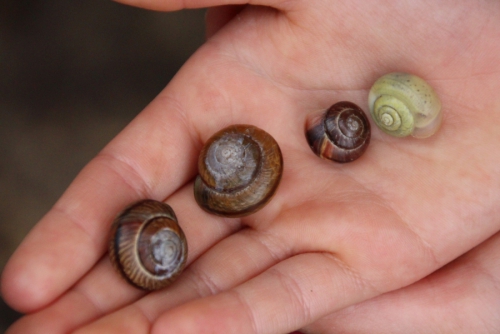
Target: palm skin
(340, 247)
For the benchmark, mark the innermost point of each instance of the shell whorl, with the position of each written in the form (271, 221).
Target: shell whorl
(403, 104)
(340, 134)
(240, 169)
(147, 246)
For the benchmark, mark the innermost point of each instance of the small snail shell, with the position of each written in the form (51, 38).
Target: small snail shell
(403, 104)
(147, 246)
(341, 134)
(240, 169)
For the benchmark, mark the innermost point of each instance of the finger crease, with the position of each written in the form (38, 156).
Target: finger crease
(246, 309)
(99, 309)
(270, 243)
(131, 173)
(361, 282)
(383, 203)
(295, 293)
(80, 223)
(175, 105)
(204, 284)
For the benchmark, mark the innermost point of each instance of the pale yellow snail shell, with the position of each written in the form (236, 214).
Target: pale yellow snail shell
(403, 104)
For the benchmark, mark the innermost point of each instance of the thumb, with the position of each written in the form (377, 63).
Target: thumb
(172, 5)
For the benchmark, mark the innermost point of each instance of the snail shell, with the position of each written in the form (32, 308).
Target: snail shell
(240, 169)
(147, 246)
(341, 134)
(403, 104)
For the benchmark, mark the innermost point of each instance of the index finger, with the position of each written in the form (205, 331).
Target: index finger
(151, 158)
(73, 234)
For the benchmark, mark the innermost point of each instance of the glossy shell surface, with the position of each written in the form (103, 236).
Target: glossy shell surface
(340, 134)
(240, 169)
(147, 245)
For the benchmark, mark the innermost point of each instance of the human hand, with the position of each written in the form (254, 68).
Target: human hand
(334, 235)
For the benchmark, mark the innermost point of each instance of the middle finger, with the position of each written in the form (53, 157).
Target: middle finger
(102, 290)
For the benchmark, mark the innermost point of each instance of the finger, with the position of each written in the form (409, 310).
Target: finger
(224, 266)
(357, 234)
(284, 298)
(151, 158)
(462, 297)
(287, 286)
(102, 290)
(210, 122)
(173, 5)
(352, 263)
(306, 287)
(73, 234)
(217, 17)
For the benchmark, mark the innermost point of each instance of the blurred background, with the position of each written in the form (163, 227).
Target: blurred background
(72, 75)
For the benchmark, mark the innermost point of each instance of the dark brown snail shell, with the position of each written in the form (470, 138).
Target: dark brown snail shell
(342, 134)
(147, 245)
(240, 169)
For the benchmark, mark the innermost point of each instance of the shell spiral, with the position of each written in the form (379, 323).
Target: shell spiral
(240, 169)
(340, 134)
(403, 104)
(147, 246)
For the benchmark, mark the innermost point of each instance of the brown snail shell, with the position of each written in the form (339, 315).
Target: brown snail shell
(340, 134)
(240, 169)
(147, 245)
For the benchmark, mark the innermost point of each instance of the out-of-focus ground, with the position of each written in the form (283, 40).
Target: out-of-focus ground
(72, 75)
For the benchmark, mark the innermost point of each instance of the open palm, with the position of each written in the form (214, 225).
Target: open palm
(334, 235)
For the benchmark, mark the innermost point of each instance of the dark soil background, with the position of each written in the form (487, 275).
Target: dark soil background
(72, 75)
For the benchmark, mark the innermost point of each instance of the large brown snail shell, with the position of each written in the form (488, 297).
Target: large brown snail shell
(340, 134)
(240, 169)
(147, 245)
